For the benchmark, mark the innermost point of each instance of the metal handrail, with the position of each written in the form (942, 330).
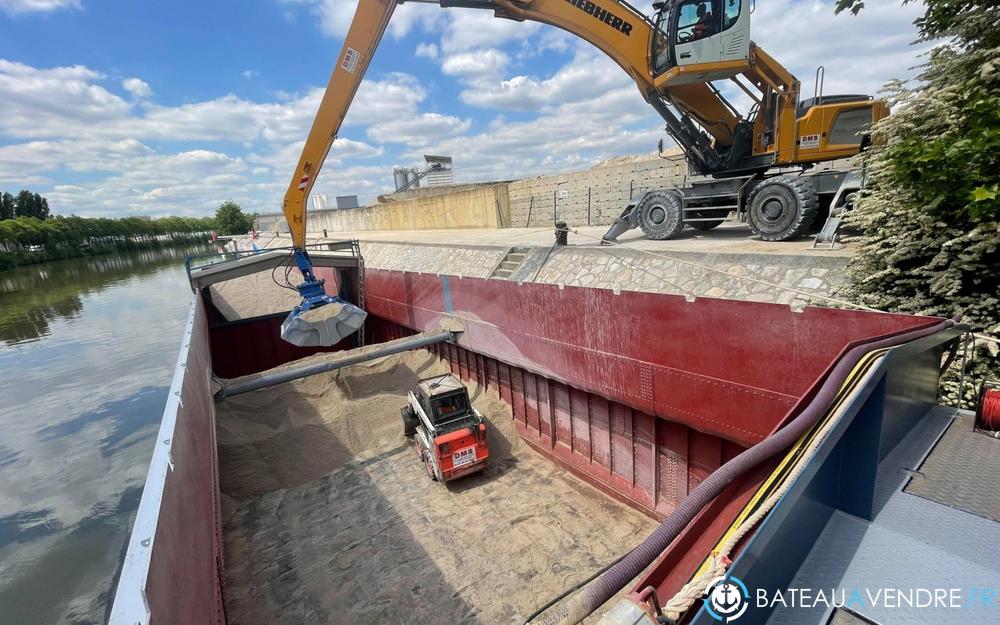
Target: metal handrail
(818, 87)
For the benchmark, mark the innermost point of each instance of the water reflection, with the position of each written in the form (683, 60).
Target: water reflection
(87, 348)
(31, 297)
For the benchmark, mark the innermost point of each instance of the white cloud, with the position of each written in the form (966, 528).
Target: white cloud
(396, 94)
(70, 102)
(476, 64)
(61, 101)
(570, 135)
(250, 74)
(66, 121)
(418, 130)
(336, 15)
(283, 157)
(137, 87)
(587, 76)
(14, 7)
(468, 29)
(860, 53)
(427, 50)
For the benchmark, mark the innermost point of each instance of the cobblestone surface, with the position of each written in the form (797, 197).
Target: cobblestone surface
(475, 262)
(759, 278)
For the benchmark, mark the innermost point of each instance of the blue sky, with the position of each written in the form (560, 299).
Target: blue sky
(118, 108)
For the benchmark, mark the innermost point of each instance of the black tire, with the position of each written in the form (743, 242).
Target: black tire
(782, 208)
(409, 421)
(660, 215)
(429, 467)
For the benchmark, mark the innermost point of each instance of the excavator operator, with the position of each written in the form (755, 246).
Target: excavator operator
(703, 27)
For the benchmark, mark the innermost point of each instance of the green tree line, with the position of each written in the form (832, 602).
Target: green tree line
(29, 234)
(28, 240)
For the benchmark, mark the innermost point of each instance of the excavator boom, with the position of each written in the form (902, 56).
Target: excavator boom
(674, 58)
(322, 319)
(362, 40)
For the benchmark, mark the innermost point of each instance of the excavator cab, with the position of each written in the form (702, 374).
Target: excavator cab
(704, 38)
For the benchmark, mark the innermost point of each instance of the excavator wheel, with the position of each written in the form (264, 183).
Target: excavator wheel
(660, 215)
(782, 208)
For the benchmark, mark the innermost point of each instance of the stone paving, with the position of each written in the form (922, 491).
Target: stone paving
(731, 265)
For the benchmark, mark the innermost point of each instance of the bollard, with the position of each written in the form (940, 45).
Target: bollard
(562, 233)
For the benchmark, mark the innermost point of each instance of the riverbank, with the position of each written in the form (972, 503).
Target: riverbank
(12, 260)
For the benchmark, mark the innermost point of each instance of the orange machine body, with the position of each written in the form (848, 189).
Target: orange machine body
(462, 452)
(449, 434)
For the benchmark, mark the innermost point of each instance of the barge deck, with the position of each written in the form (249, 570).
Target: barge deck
(607, 402)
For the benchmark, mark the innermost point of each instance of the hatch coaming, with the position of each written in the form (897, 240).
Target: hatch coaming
(723, 367)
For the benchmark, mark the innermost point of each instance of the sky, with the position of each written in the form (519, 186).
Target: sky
(118, 108)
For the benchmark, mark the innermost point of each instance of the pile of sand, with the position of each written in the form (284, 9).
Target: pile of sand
(280, 437)
(329, 516)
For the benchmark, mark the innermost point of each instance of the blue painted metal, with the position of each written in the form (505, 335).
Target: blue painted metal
(311, 288)
(324, 331)
(853, 475)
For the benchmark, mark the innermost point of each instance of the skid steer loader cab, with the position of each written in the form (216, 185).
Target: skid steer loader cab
(448, 433)
(444, 402)
(699, 33)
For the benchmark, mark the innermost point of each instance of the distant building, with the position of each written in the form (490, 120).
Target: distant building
(318, 202)
(437, 172)
(440, 176)
(347, 201)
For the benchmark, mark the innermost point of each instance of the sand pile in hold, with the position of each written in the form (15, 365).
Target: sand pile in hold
(329, 516)
(255, 295)
(283, 436)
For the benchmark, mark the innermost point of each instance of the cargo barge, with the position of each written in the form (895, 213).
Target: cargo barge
(614, 411)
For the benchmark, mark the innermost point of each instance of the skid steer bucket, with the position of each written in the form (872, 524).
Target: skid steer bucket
(322, 321)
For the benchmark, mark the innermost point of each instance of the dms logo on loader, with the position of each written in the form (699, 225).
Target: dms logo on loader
(726, 598)
(603, 15)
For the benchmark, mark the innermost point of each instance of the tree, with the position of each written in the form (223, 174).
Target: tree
(41, 207)
(230, 219)
(24, 205)
(6, 206)
(929, 219)
(28, 204)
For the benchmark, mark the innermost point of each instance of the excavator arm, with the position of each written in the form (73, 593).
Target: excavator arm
(674, 73)
(362, 40)
(321, 319)
(615, 27)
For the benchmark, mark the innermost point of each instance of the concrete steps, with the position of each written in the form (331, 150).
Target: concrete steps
(510, 263)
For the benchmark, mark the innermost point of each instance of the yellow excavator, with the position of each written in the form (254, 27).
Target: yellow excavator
(677, 57)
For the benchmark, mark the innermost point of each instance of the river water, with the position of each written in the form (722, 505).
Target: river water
(87, 350)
